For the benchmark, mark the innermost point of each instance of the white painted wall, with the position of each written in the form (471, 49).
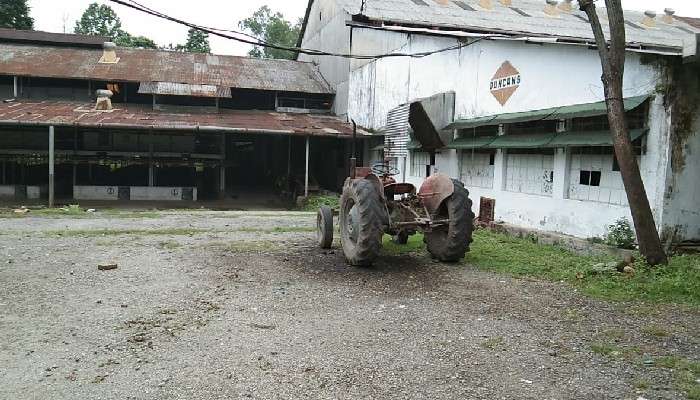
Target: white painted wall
(378, 86)
(96, 192)
(7, 191)
(159, 193)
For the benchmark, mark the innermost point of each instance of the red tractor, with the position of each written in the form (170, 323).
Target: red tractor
(374, 204)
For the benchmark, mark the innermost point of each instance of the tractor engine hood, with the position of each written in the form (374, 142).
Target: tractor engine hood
(428, 118)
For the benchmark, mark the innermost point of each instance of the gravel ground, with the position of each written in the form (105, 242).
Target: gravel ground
(236, 308)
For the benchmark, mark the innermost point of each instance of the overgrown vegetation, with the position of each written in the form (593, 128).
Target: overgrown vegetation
(679, 282)
(620, 235)
(314, 202)
(73, 211)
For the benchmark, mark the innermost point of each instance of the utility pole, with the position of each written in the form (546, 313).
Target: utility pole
(612, 59)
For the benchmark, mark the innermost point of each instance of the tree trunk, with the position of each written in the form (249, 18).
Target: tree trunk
(613, 64)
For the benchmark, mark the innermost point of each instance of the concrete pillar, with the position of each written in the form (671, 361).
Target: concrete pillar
(560, 188)
(306, 175)
(222, 181)
(75, 174)
(51, 166)
(15, 87)
(150, 175)
(499, 170)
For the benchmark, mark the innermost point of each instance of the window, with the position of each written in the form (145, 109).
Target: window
(477, 169)
(420, 163)
(481, 131)
(594, 176)
(530, 172)
(530, 127)
(636, 119)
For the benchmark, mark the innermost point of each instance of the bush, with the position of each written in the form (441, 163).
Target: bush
(621, 235)
(314, 202)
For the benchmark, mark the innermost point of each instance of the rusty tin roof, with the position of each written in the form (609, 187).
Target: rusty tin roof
(141, 65)
(130, 116)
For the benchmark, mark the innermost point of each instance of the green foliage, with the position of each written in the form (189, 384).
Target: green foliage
(103, 21)
(140, 42)
(197, 42)
(686, 374)
(621, 235)
(99, 20)
(314, 202)
(271, 27)
(14, 14)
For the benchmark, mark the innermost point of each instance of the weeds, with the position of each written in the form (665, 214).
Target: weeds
(314, 202)
(121, 232)
(686, 374)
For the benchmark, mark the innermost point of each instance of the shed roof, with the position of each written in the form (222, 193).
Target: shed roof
(141, 65)
(51, 38)
(130, 116)
(524, 17)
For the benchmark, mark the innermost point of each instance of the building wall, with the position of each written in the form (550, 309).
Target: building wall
(531, 190)
(326, 30)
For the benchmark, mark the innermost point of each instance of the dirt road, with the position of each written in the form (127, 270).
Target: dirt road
(222, 305)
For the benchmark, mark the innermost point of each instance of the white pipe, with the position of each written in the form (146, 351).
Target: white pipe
(306, 178)
(16, 88)
(51, 164)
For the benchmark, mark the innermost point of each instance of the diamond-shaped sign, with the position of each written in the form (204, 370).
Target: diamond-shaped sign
(505, 82)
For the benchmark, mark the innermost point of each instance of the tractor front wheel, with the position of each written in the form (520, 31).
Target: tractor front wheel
(451, 242)
(361, 228)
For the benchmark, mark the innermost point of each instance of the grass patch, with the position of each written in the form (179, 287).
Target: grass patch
(75, 211)
(685, 374)
(278, 229)
(494, 343)
(121, 232)
(169, 245)
(605, 349)
(252, 247)
(655, 330)
(415, 244)
(679, 282)
(314, 202)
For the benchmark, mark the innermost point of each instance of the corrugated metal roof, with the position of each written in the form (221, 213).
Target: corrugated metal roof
(65, 113)
(525, 17)
(184, 89)
(51, 38)
(396, 132)
(141, 65)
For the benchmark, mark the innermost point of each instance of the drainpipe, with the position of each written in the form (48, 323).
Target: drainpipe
(306, 178)
(51, 162)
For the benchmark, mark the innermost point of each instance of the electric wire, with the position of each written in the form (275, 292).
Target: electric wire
(252, 40)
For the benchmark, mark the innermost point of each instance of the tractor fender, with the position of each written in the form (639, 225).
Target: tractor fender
(435, 190)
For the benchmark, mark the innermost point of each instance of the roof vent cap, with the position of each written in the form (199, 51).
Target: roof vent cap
(109, 53)
(104, 100)
(649, 20)
(551, 8)
(486, 4)
(668, 15)
(566, 6)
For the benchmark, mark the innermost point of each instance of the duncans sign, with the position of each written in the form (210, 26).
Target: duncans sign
(505, 82)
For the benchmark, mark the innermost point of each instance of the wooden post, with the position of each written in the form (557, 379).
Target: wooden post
(306, 177)
(51, 165)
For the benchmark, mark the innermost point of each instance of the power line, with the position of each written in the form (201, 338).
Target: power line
(259, 42)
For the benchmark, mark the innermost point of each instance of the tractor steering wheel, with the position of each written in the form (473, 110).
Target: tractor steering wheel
(382, 169)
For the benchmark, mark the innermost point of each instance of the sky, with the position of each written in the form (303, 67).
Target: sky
(60, 16)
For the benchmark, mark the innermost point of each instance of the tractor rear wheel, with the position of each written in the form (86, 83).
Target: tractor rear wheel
(361, 216)
(451, 242)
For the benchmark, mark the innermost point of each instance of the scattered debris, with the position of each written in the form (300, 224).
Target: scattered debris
(21, 210)
(90, 210)
(107, 267)
(261, 326)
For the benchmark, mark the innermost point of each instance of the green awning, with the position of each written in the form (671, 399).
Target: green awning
(556, 113)
(469, 143)
(593, 139)
(530, 141)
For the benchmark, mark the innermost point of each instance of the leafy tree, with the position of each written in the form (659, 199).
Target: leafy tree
(103, 21)
(197, 42)
(274, 29)
(99, 20)
(14, 14)
(141, 42)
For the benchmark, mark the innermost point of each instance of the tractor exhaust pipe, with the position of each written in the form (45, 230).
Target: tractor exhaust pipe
(353, 150)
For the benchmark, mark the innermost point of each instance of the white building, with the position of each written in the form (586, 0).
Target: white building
(529, 127)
